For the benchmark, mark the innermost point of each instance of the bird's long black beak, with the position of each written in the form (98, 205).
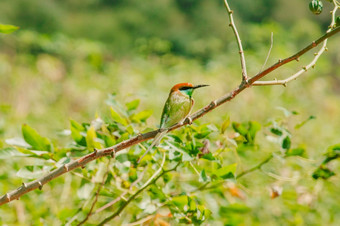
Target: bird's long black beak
(199, 86)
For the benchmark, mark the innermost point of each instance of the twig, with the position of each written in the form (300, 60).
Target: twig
(269, 51)
(238, 40)
(217, 184)
(148, 183)
(25, 188)
(122, 195)
(97, 194)
(255, 167)
(305, 68)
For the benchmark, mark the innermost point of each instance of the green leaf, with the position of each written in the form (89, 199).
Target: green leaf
(276, 131)
(133, 174)
(236, 207)
(227, 172)
(333, 152)
(37, 142)
(298, 126)
(203, 176)
(254, 127)
(85, 191)
(10, 152)
(322, 172)
(208, 156)
(5, 28)
(240, 128)
(31, 172)
(142, 116)
(76, 132)
(91, 138)
(191, 204)
(286, 143)
(225, 125)
(132, 105)
(299, 151)
(180, 201)
(116, 117)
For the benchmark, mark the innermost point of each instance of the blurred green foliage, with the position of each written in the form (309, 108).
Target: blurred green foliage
(80, 75)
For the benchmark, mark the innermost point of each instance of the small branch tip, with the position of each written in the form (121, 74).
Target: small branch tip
(189, 120)
(40, 185)
(213, 103)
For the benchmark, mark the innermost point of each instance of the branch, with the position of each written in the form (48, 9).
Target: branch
(122, 195)
(97, 194)
(238, 40)
(294, 57)
(255, 167)
(25, 188)
(311, 64)
(147, 184)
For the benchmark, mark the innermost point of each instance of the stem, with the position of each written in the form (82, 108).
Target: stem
(238, 40)
(255, 167)
(147, 184)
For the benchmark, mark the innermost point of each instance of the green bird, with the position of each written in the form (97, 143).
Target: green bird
(176, 109)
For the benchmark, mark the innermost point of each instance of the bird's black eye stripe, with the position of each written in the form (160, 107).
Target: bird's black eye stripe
(185, 88)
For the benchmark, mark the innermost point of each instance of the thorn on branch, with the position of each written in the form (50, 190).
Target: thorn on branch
(313, 66)
(8, 197)
(66, 167)
(40, 185)
(326, 49)
(213, 103)
(230, 25)
(95, 150)
(189, 120)
(279, 61)
(304, 68)
(24, 185)
(113, 153)
(313, 44)
(315, 54)
(297, 59)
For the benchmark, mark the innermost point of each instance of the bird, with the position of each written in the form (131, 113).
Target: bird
(176, 109)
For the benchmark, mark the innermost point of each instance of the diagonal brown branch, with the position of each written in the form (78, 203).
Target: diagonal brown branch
(25, 188)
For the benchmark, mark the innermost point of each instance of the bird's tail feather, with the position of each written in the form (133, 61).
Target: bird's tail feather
(154, 143)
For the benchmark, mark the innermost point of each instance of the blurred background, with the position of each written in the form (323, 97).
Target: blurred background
(69, 55)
